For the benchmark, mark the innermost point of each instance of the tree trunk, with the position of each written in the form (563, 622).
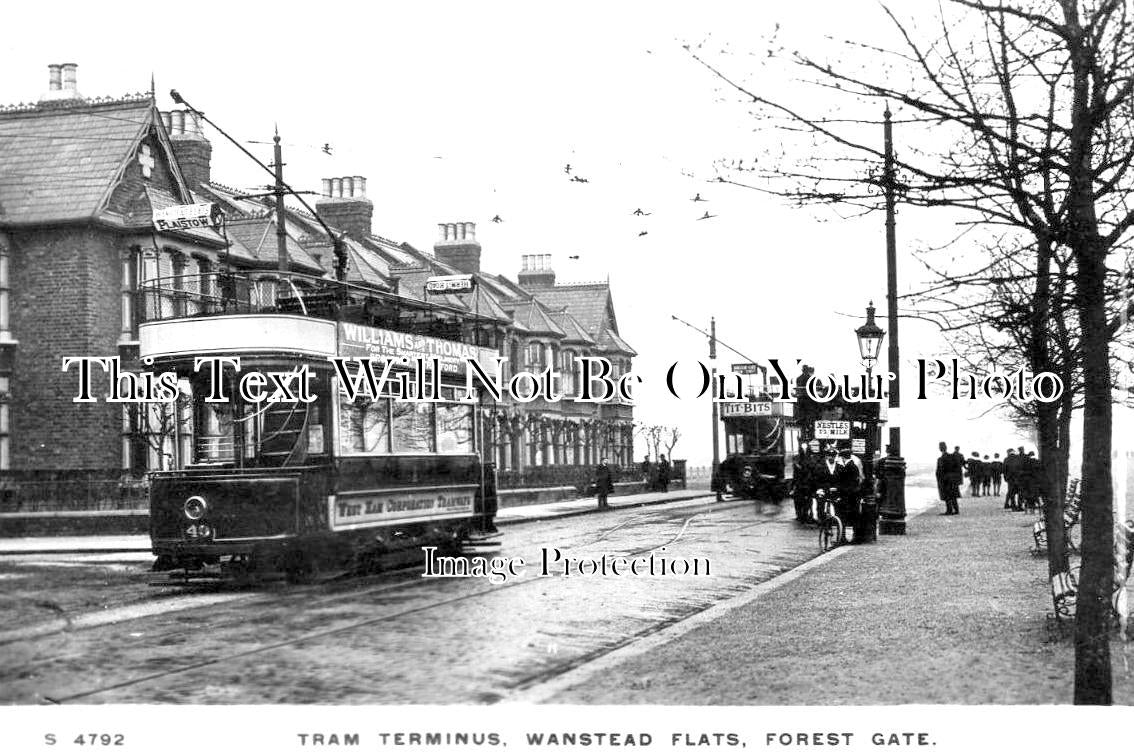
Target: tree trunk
(1049, 454)
(1092, 614)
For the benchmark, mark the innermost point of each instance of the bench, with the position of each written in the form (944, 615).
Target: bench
(1072, 511)
(1064, 593)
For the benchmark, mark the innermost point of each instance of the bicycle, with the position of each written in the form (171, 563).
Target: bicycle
(832, 531)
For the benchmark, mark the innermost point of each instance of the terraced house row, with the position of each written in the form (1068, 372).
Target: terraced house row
(80, 179)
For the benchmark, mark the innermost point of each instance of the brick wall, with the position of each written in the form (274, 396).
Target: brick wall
(354, 215)
(65, 301)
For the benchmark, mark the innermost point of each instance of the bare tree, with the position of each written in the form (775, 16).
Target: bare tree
(670, 436)
(1033, 138)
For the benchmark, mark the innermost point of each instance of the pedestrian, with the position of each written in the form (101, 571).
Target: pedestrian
(850, 487)
(996, 472)
(1012, 478)
(604, 484)
(986, 476)
(959, 461)
(663, 473)
(1033, 477)
(948, 479)
(803, 483)
(973, 468)
(648, 475)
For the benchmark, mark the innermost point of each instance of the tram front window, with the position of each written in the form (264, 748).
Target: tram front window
(256, 434)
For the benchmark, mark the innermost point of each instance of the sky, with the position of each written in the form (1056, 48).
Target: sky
(466, 111)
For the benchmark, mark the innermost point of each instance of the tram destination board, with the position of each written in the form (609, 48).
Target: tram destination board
(832, 429)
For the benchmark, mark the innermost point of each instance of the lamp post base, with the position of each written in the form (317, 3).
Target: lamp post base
(866, 529)
(892, 507)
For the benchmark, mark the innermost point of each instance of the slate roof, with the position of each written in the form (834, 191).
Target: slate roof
(573, 331)
(587, 303)
(60, 163)
(258, 237)
(609, 341)
(535, 319)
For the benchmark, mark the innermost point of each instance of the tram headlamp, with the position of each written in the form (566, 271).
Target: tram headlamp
(195, 507)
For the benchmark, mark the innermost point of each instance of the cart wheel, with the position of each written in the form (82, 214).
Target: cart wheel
(831, 533)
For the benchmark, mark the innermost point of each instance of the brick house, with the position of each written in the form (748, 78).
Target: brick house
(79, 181)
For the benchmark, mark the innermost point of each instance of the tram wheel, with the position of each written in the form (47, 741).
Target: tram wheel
(831, 533)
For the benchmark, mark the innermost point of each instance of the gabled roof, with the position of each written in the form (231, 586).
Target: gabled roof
(258, 236)
(61, 162)
(610, 341)
(573, 331)
(590, 304)
(534, 318)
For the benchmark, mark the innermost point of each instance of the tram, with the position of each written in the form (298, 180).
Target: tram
(279, 463)
(761, 439)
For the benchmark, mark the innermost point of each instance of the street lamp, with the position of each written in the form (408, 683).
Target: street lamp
(869, 337)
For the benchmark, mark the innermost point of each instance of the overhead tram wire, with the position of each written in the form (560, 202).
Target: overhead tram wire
(718, 339)
(337, 243)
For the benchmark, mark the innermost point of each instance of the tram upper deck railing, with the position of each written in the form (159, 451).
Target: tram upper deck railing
(268, 292)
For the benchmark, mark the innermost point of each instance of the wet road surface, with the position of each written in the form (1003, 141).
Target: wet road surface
(89, 630)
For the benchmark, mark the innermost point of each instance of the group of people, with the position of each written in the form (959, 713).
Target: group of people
(837, 471)
(1022, 472)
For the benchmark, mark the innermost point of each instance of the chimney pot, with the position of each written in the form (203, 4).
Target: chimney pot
(178, 122)
(442, 229)
(348, 186)
(167, 121)
(70, 76)
(359, 186)
(472, 230)
(336, 187)
(326, 187)
(54, 77)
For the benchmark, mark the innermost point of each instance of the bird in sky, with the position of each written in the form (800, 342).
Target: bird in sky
(497, 219)
(327, 148)
(698, 198)
(580, 180)
(639, 211)
(572, 257)
(643, 233)
(567, 169)
(706, 216)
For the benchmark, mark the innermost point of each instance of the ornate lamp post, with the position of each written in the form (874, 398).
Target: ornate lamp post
(869, 337)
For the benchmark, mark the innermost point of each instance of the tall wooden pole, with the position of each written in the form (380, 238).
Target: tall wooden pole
(892, 509)
(280, 190)
(715, 477)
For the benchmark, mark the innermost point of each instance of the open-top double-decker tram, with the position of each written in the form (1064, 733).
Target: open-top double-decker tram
(289, 461)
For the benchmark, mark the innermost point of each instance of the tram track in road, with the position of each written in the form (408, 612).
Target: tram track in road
(205, 595)
(397, 614)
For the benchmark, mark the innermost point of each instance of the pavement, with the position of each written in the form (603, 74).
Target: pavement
(957, 611)
(119, 544)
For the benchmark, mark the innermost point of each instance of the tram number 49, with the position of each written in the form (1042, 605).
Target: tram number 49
(200, 530)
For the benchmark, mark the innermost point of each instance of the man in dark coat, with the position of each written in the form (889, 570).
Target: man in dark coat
(663, 473)
(1012, 478)
(996, 472)
(604, 484)
(949, 476)
(850, 484)
(1032, 475)
(803, 483)
(973, 468)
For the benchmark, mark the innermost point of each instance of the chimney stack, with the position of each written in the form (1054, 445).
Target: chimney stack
(536, 272)
(458, 246)
(62, 83)
(190, 147)
(344, 205)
